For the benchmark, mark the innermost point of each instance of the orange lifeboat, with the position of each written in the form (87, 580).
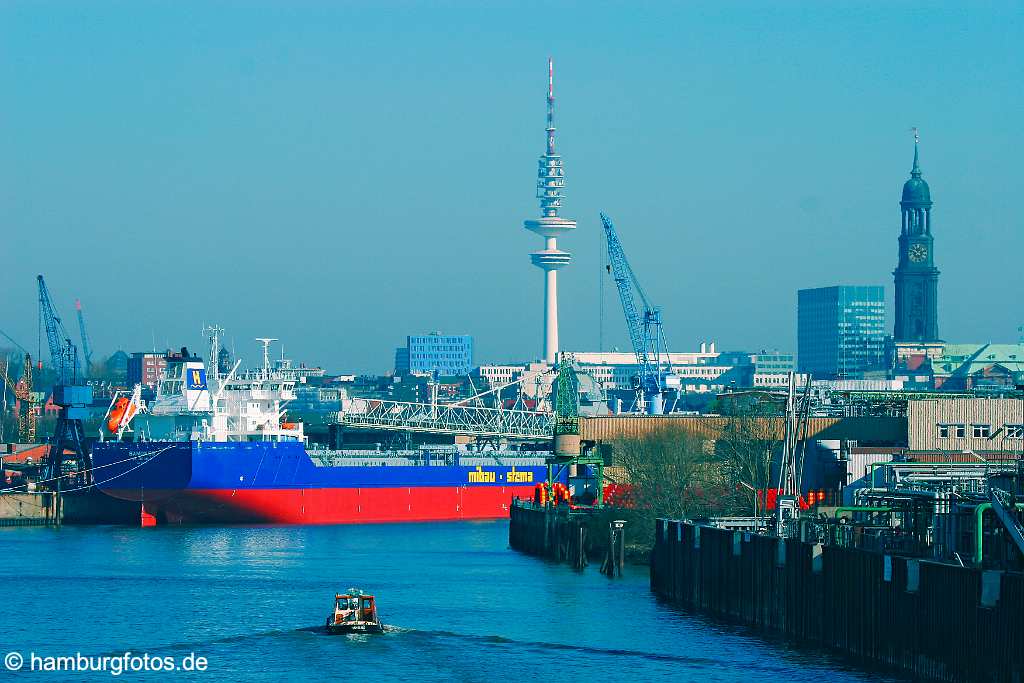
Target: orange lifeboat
(116, 413)
(122, 412)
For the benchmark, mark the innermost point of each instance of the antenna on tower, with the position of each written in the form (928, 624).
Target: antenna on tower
(551, 78)
(551, 106)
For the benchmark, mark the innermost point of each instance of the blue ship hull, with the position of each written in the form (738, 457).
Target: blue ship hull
(277, 482)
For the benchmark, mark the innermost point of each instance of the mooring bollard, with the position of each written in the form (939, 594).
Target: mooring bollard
(615, 558)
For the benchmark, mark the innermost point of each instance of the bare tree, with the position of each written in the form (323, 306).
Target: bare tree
(672, 474)
(744, 450)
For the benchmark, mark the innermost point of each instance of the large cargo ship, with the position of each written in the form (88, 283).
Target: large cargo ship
(223, 452)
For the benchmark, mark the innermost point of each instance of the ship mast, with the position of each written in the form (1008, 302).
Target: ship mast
(266, 341)
(214, 331)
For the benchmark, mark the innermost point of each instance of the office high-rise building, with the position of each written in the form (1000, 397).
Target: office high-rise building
(841, 331)
(444, 354)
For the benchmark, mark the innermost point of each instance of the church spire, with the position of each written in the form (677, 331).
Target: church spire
(916, 276)
(916, 170)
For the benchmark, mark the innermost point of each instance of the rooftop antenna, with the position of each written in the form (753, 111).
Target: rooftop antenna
(266, 341)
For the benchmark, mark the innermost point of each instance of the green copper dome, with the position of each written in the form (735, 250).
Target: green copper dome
(915, 190)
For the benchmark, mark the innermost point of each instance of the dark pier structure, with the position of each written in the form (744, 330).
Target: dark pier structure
(549, 532)
(935, 620)
(574, 537)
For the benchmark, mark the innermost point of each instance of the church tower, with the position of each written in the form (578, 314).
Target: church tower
(917, 278)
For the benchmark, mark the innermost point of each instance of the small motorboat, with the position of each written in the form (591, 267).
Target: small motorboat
(354, 612)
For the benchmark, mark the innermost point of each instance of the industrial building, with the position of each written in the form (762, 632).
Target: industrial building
(703, 371)
(966, 425)
(841, 331)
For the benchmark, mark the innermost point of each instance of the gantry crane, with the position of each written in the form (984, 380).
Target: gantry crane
(86, 345)
(646, 332)
(69, 394)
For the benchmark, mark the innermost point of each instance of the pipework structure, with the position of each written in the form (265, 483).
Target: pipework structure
(550, 190)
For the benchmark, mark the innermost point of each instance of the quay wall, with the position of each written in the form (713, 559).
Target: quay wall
(27, 509)
(935, 621)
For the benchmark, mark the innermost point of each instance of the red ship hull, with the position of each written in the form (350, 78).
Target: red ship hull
(327, 506)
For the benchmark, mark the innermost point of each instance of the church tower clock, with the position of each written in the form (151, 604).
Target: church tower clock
(917, 278)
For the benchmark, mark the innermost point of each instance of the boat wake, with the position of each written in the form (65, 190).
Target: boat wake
(412, 634)
(547, 646)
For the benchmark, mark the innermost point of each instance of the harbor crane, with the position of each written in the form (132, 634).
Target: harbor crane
(22, 390)
(646, 332)
(69, 394)
(86, 344)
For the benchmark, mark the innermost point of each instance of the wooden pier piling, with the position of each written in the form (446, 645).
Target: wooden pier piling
(550, 532)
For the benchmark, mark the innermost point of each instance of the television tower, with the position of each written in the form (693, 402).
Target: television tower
(550, 185)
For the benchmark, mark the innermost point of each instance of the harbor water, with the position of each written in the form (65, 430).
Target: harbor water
(460, 606)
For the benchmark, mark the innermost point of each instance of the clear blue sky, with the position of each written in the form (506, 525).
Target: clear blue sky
(342, 174)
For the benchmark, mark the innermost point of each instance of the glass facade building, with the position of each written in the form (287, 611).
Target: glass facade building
(441, 353)
(841, 331)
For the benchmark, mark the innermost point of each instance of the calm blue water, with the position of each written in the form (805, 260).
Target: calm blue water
(464, 608)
